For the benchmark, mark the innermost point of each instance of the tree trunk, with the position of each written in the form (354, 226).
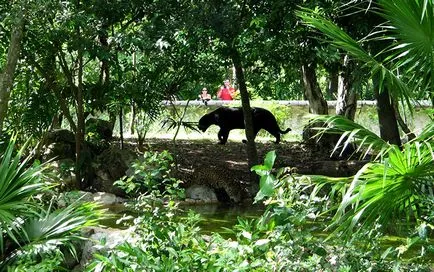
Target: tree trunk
(7, 75)
(347, 100)
(121, 128)
(46, 70)
(332, 88)
(312, 91)
(410, 135)
(389, 130)
(104, 75)
(252, 153)
(133, 119)
(79, 134)
(62, 101)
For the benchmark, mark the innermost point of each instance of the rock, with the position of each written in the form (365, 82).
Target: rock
(70, 197)
(105, 198)
(201, 192)
(101, 129)
(59, 151)
(110, 166)
(326, 142)
(101, 197)
(64, 169)
(310, 135)
(60, 135)
(59, 144)
(101, 240)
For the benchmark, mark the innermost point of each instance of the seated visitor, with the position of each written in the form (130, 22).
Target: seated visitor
(205, 96)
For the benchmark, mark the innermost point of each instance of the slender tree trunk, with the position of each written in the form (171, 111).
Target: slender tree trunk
(312, 91)
(121, 127)
(62, 101)
(46, 70)
(252, 153)
(133, 104)
(347, 100)
(389, 130)
(410, 135)
(79, 134)
(7, 74)
(133, 119)
(332, 88)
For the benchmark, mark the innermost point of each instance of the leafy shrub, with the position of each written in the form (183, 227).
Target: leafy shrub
(152, 174)
(31, 232)
(287, 237)
(161, 241)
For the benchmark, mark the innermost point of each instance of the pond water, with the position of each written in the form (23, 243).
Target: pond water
(215, 217)
(220, 218)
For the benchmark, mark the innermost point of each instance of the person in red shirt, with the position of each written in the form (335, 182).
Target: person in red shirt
(226, 92)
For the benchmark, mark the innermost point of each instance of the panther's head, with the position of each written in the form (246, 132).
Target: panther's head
(206, 121)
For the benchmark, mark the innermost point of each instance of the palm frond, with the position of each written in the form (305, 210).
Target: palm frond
(410, 27)
(18, 183)
(49, 230)
(427, 134)
(173, 124)
(367, 142)
(338, 38)
(382, 192)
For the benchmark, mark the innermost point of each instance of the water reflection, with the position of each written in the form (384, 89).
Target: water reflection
(214, 217)
(220, 217)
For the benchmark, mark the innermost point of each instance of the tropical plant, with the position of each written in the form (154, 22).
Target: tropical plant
(295, 201)
(284, 238)
(17, 185)
(178, 120)
(401, 63)
(151, 174)
(29, 231)
(390, 188)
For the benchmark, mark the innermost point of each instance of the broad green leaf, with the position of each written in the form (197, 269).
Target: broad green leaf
(269, 159)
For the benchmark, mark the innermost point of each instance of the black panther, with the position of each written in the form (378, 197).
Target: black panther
(231, 118)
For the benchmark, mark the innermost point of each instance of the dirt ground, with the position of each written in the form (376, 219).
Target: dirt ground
(304, 158)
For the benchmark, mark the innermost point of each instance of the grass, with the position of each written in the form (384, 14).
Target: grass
(295, 117)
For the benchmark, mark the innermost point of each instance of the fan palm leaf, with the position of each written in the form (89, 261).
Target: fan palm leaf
(427, 134)
(18, 183)
(338, 38)
(411, 26)
(48, 230)
(367, 141)
(382, 192)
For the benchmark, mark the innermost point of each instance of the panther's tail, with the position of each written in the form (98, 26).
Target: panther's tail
(285, 131)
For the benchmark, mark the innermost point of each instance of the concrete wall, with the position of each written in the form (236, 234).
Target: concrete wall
(293, 114)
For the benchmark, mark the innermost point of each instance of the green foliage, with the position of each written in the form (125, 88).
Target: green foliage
(287, 237)
(17, 184)
(267, 180)
(30, 231)
(51, 262)
(160, 243)
(368, 142)
(296, 201)
(388, 189)
(152, 174)
(404, 66)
